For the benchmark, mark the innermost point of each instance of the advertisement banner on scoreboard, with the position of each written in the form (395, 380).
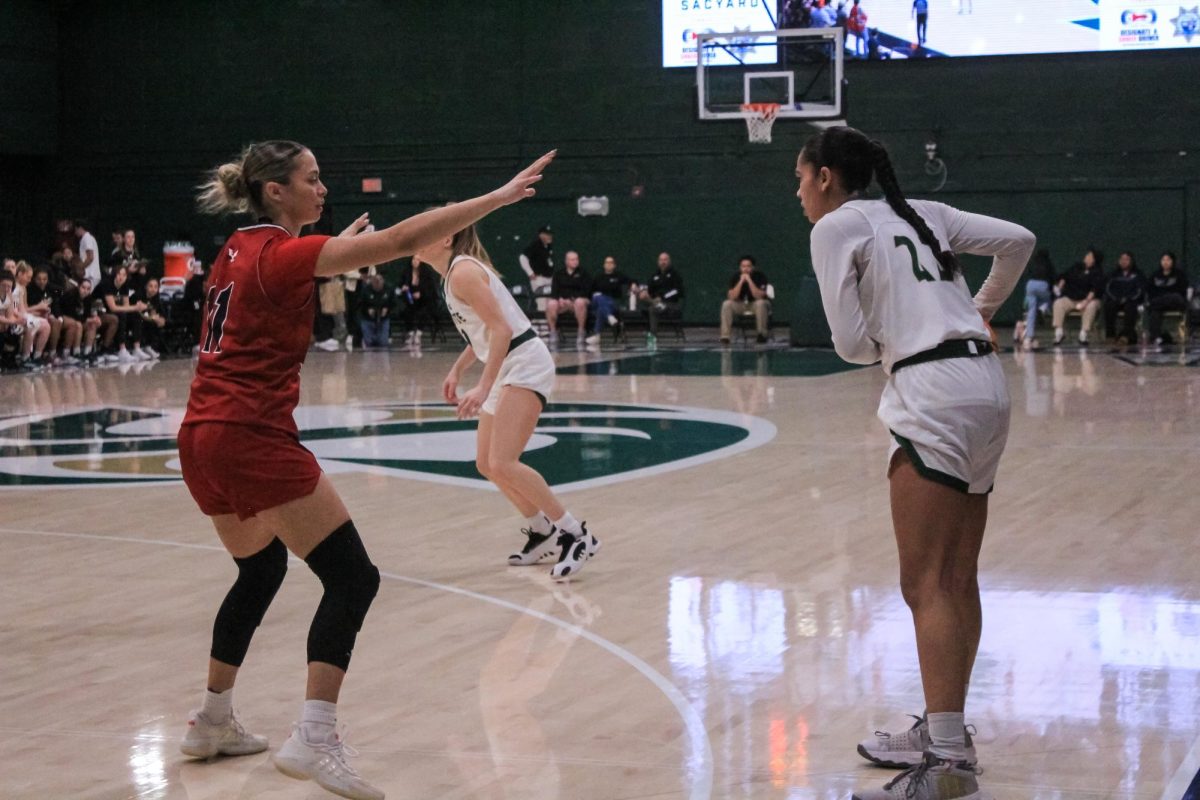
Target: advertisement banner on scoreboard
(903, 29)
(1148, 24)
(683, 20)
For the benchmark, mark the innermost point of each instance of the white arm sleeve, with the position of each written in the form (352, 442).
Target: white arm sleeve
(836, 242)
(524, 259)
(1008, 243)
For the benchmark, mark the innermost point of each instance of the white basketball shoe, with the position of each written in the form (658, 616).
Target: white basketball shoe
(326, 763)
(576, 550)
(538, 547)
(207, 739)
(906, 749)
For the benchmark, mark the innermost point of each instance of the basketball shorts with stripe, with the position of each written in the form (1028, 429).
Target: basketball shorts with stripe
(951, 418)
(529, 366)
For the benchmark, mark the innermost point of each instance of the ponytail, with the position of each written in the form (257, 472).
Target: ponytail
(237, 186)
(467, 243)
(885, 176)
(225, 191)
(856, 159)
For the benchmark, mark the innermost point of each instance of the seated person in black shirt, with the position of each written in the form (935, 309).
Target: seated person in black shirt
(537, 262)
(1079, 289)
(63, 330)
(1124, 291)
(609, 290)
(418, 296)
(747, 292)
(375, 303)
(154, 319)
(569, 291)
(1167, 290)
(79, 304)
(663, 294)
(121, 300)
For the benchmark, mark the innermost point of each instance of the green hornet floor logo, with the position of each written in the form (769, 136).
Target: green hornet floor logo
(576, 445)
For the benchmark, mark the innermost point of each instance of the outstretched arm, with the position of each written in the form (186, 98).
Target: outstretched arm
(341, 254)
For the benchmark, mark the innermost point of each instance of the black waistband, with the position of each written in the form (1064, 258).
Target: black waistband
(521, 339)
(956, 348)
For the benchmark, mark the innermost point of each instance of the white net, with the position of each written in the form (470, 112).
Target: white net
(760, 117)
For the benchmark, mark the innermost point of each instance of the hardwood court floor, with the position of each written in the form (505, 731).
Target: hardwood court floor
(736, 637)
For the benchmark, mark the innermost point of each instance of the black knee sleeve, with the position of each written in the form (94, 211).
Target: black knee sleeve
(350, 581)
(259, 577)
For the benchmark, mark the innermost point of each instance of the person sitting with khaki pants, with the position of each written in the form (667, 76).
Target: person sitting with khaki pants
(747, 291)
(1080, 289)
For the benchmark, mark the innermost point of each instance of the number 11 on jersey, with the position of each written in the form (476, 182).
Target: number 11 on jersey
(216, 309)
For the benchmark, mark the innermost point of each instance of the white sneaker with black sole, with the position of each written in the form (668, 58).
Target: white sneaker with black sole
(576, 550)
(907, 748)
(208, 739)
(325, 763)
(538, 547)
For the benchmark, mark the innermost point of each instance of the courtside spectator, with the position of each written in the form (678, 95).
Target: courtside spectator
(569, 291)
(747, 292)
(1167, 290)
(89, 252)
(1080, 289)
(609, 290)
(1124, 292)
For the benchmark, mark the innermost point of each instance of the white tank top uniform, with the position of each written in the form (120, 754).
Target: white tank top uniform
(7, 306)
(32, 321)
(528, 363)
(946, 402)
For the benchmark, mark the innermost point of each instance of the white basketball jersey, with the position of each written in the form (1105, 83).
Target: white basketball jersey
(468, 322)
(884, 293)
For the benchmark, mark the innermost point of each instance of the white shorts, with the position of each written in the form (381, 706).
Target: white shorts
(530, 366)
(951, 418)
(35, 323)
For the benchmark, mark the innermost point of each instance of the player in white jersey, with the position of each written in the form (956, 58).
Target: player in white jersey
(517, 379)
(894, 293)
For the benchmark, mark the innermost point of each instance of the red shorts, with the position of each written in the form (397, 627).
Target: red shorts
(242, 469)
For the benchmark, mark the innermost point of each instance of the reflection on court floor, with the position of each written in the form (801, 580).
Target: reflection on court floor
(739, 634)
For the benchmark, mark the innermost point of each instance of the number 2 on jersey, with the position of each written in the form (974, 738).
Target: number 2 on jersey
(217, 310)
(920, 272)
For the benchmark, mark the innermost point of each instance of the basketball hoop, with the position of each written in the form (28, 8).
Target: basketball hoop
(759, 119)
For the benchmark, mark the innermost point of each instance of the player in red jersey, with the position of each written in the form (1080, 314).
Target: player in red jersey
(240, 449)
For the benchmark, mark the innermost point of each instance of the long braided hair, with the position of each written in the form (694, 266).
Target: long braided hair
(858, 159)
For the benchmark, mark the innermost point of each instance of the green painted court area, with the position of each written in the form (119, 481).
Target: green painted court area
(781, 363)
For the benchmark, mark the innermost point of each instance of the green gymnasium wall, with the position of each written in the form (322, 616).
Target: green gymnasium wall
(29, 102)
(442, 100)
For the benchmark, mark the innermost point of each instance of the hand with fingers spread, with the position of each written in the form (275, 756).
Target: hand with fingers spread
(521, 186)
(357, 227)
(470, 403)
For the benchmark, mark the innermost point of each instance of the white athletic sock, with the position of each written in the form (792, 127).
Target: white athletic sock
(539, 523)
(318, 721)
(947, 735)
(568, 524)
(217, 706)
(87, 351)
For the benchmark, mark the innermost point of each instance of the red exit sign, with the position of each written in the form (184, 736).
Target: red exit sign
(372, 185)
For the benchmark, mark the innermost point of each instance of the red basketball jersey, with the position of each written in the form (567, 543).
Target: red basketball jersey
(258, 320)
